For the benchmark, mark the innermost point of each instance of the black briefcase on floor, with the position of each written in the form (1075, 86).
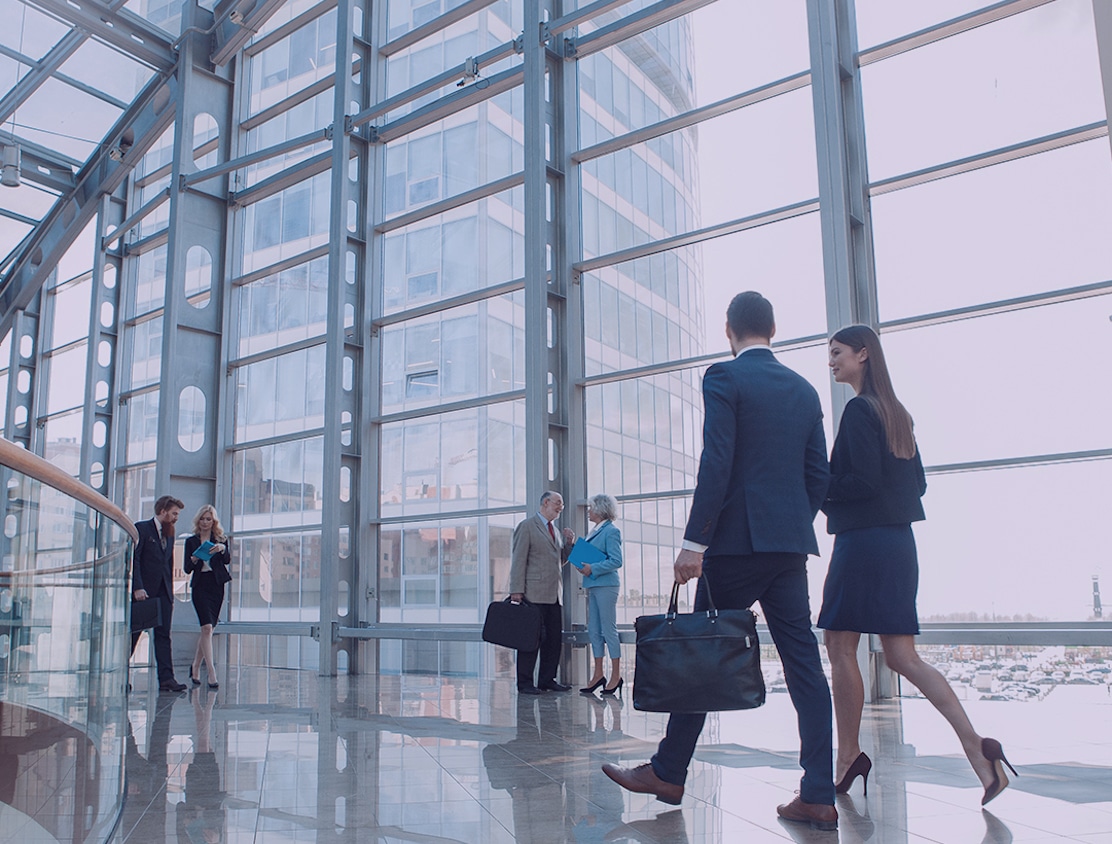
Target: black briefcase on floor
(146, 614)
(511, 625)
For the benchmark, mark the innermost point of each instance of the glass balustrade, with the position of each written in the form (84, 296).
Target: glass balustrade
(64, 644)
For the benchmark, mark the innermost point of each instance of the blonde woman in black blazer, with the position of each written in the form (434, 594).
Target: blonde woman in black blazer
(207, 585)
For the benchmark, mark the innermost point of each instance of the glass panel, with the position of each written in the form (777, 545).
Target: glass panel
(1043, 572)
(146, 353)
(315, 113)
(651, 310)
(762, 157)
(74, 130)
(463, 250)
(67, 373)
(278, 486)
(465, 563)
(150, 282)
(165, 14)
(998, 233)
(294, 63)
(142, 427)
(191, 419)
(447, 47)
(280, 395)
(879, 21)
(993, 86)
(283, 308)
(287, 223)
(468, 459)
(474, 350)
(475, 147)
(1009, 385)
(198, 276)
(29, 31)
(276, 578)
(78, 259)
(107, 70)
(741, 44)
(62, 436)
(71, 313)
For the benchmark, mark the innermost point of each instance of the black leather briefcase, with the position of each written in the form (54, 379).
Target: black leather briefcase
(146, 614)
(511, 625)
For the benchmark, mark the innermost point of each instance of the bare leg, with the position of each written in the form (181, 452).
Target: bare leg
(848, 692)
(198, 655)
(901, 656)
(204, 644)
(615, 669)
(597, 674)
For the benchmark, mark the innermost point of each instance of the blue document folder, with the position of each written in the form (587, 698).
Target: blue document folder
(584, 552)
(204, 551)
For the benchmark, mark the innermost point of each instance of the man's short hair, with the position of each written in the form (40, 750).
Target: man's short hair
(547, 495)
(165, 502)
(750, 315)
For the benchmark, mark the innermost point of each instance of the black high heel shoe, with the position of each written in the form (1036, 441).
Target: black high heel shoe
(194, 680)
(860, 768)
(590, 690)
(994, 753)
(617, 689)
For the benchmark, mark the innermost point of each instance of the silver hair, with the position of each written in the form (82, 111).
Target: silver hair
(604, 505)
(547, 495)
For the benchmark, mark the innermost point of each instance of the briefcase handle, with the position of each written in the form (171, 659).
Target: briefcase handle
(673, 604)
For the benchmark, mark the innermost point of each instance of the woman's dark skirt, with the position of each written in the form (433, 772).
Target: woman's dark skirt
(208, 597)
(872, 582)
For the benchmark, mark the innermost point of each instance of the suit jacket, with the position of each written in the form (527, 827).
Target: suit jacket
(869, 485)
(153, 565)
(217, 562)
(763, 472)
(608, 539)
(536, 560)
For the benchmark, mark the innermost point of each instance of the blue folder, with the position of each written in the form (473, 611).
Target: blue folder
(584, 552)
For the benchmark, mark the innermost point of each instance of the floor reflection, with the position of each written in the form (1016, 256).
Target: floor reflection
(283, 756)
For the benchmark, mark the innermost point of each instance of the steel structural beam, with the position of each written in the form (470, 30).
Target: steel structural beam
(647, 18)
(437, 24)
(843, 179)
(582, 15)
(139, 127)
(43, 166)
(124, 30)
(1102, 17)
(40, 72)
(229, 37)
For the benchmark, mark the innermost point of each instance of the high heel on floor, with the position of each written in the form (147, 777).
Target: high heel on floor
(194, 680)
(617, 689)
(589, 690)
(860, 768)
(994, 753)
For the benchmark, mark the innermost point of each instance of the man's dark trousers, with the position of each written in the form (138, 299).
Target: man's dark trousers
(552, 642)
(779, 582)
(160, 635)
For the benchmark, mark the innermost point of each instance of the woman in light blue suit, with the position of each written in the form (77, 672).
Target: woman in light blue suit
(601, 582)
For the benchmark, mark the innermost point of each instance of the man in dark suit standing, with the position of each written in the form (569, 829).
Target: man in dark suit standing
(762, 476)
(152, 579)
(538, 551)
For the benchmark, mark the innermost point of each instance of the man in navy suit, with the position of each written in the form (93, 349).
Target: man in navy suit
(762, 476)
(152, 579)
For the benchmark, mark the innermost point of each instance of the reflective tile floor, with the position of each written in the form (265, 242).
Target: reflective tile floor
(285, 756)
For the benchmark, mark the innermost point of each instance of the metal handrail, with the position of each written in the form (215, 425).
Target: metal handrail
(35, 467)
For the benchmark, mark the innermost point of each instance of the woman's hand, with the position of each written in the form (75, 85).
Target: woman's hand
(586, 569)
(218, 548)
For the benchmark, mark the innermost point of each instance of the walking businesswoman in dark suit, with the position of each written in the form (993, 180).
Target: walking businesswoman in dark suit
(207, 585)
(876, 482)
(601, 582)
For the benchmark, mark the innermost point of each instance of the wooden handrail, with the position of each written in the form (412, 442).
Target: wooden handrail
(35, 467)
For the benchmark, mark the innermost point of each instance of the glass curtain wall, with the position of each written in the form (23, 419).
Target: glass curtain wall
(460, 267)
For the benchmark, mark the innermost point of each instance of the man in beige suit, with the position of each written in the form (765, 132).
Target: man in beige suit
(539, 549)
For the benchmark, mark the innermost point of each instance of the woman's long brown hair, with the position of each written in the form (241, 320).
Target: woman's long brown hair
(877, 389)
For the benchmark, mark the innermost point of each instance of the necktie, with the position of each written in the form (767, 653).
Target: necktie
(551, 532)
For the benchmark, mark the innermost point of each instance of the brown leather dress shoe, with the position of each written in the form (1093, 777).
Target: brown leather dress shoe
(818, 815)
(643, 780)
